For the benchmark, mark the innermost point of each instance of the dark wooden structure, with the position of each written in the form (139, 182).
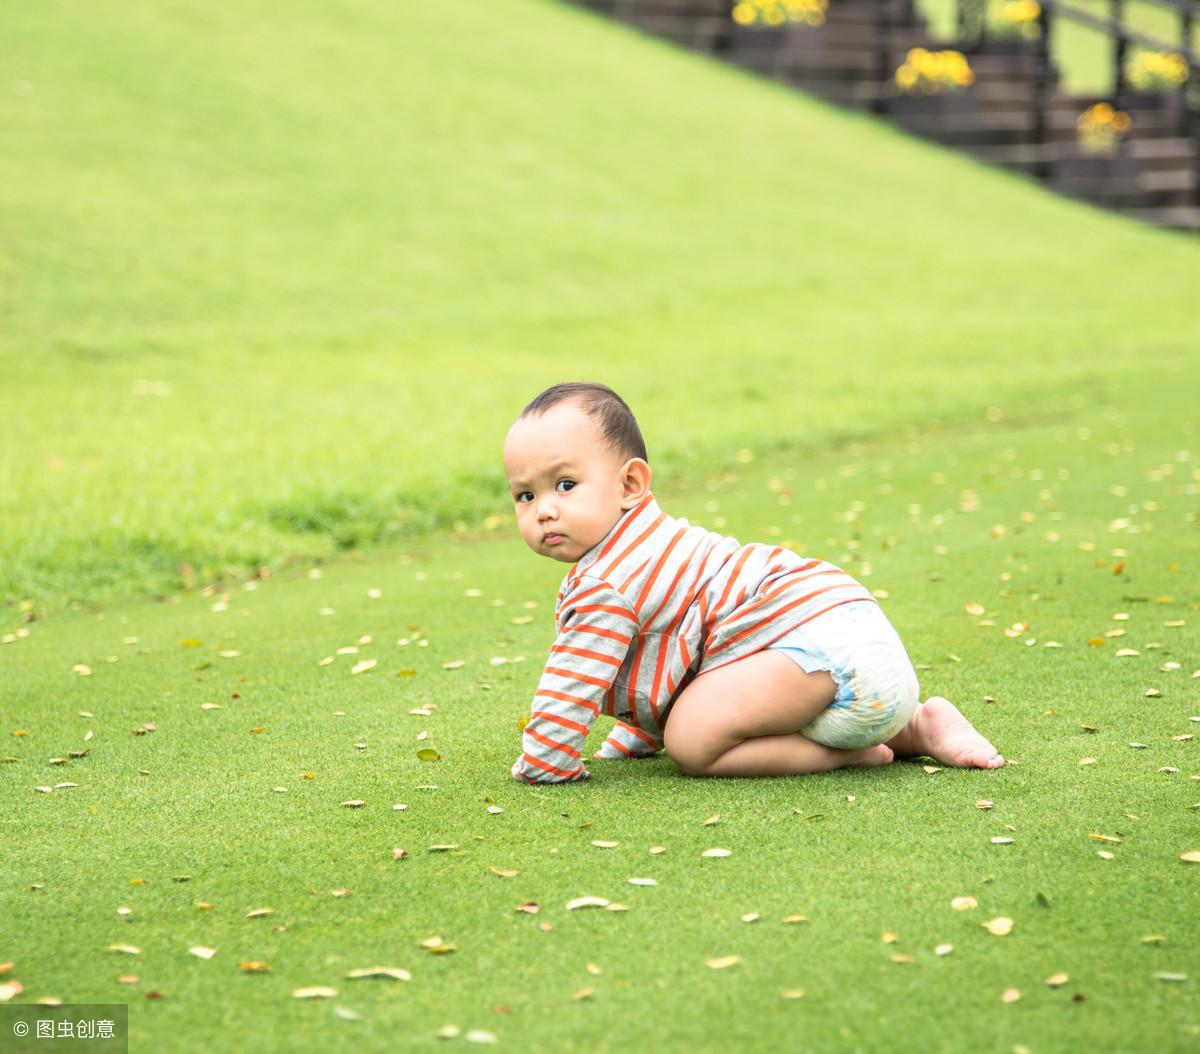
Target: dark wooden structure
(1015, 114)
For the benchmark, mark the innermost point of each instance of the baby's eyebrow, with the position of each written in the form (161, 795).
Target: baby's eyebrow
(553, 468)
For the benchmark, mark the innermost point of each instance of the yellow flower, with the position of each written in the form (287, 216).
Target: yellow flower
(744, 14)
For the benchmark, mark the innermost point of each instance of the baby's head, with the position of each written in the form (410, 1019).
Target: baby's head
(585, 436)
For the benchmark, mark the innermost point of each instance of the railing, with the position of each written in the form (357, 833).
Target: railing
(973, 29)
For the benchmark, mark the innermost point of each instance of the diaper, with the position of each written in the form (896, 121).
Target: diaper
(877, 691)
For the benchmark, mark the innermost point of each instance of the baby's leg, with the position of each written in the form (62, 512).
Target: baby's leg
(744, 719)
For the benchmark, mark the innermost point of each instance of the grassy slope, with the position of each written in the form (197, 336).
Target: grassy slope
(348, 243)
(195, 796)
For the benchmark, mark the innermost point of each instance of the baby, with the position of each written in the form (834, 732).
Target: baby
(742, 660)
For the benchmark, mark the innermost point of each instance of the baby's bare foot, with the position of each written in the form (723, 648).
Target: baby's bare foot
(870, 756)
(939, 730)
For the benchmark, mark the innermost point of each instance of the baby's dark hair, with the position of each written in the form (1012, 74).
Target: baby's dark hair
(617, 424)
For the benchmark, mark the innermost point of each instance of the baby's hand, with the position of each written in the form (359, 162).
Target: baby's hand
(623, 742)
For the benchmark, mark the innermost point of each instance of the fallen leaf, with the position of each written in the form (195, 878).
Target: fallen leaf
(259, 913)
(394, 973)
(1163, 975)
(315, 992)
(717, 852)
(127, 949)
(791, 920)
(1057, 980)
(601, 844)
(366, 664)
(202, 952)
(1192, 857)
(793, 993)
(587, 902)
(583, 993)
(480, 1035)
(711, 821)
(503, 873)
(643, 882)
(353, 803)
(428, 754)
(999, 927)
(1095, 837)
(10, 989)
(750, 916)
(1011, 995)
(898, 957)
(964, 903)
(943, 949)
(724, 961)
(443, 848)
(253, 966)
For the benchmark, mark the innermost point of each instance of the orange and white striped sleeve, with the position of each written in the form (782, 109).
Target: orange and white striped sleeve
(626, 741)
(597, 628)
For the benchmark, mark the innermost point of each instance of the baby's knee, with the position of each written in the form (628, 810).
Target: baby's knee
(688, 750)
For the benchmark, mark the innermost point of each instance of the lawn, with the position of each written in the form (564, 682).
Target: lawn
(1020, 562)
(273, 285)
(255, 267)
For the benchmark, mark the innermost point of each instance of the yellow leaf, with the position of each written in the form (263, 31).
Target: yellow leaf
(394, 973)
(1011, 995)
(964, 903)
(999, 927)
(253, 966)
(724, 961)
(586, 902)
(315, 992)
(1192, 857)
(717, 852)
(1057, 980)
(428, 754)
(202, 952)
(503, 873)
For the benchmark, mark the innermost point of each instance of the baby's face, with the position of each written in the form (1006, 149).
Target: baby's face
(566, 484)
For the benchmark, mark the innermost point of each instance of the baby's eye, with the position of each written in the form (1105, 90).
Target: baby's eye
(570, 481)
(520, 496)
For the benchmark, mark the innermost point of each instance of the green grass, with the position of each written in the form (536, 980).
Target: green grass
(273, 287)
(1060, 505)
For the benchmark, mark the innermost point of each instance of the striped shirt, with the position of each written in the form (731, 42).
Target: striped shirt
(650, 607)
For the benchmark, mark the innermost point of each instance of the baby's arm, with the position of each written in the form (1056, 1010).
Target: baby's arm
(584, 662)
(625, 741)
